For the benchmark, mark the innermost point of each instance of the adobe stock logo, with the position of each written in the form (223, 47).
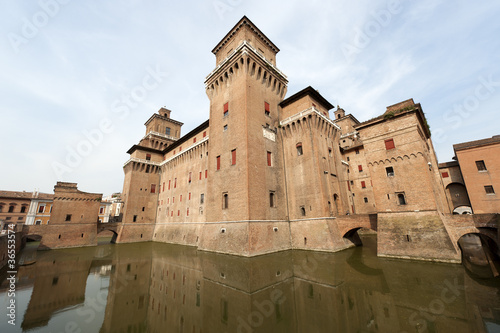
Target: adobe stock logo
(31, 27)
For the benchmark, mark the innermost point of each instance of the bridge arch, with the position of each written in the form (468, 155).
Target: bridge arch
(480, 252)
(113, 232)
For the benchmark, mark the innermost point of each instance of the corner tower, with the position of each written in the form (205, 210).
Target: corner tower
(245, 180)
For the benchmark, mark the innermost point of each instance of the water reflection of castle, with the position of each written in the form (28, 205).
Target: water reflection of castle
(155, 286)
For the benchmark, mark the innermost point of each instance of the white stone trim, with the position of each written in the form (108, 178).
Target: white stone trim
(150, 133)
(244, 47)
(306, 113)
(184, 151)
(134, 159)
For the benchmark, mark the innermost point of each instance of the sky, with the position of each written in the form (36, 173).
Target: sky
(78, 80)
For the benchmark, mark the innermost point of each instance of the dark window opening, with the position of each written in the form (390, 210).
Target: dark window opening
(481, 166)
(272, 199)
(366, 200)
(153, 188)
(68, 217)
(225, 201)
(300, 152)
(489, 189)
(148, 157)
(11, 209)
(389, 171)
(23, 209)
(401, 199)
(135, 218)
(302, 211)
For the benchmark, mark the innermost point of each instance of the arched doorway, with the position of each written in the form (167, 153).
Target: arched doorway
(480, 255)
(457, 193)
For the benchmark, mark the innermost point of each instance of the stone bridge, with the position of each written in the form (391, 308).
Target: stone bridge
(69, 235)
(423, 235)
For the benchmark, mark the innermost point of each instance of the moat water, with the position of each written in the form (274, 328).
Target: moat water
(150, 287)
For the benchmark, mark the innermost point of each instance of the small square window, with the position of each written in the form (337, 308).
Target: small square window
(389, 171)
(389, 144)
(68, 217)
(489, 189)
(481, 166)
(445, 174)
(366, 200)
(225, 128)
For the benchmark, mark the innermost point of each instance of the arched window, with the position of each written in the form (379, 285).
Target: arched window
(11, 208)
(302, 211)
(299, 149)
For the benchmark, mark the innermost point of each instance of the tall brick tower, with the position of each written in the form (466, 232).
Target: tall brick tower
(245, 183)
(142, 177)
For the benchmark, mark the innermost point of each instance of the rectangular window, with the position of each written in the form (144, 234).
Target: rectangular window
(225, 201)
(445, 174)
(194, 140)
(226, 109)
(489, 189)
(101, 210)
(233, 157)
(206, 174)
(272, 199)
(218, 162)
(187, 212)
(481, 166)
(357, 151)
(269, 158)
(169, 183)
(163, 187)
(148, 157)
(68, 217)
(389, 144)
(363, 184)
(202, 198)
(267, 109)
(205, 134)
(389, 171)
(175, 183)
(366, 200)
(200, 175)
(189, 181)
(153, 188)
(360, 168)
(225, 128)
(189, 196)
(330, 152)
(167, 131)
(41, 209)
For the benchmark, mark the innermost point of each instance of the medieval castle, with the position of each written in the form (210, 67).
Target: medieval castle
(268, 173)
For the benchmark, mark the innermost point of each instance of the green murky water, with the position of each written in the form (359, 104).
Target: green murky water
(164, 288)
